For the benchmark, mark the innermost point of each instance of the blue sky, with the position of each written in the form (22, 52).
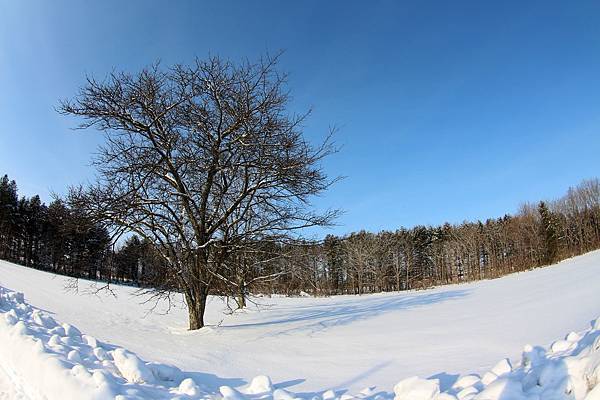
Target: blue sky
(446, 110)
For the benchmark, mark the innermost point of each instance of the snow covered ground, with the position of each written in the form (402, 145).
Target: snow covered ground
(10, 389)
(309, 346)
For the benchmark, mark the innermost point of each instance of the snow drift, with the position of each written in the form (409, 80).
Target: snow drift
(56, 361)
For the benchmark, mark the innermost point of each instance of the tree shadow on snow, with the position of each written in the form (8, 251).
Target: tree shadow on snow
(318, 317)
(290, 383)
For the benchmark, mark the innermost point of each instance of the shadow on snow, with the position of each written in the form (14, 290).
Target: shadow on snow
(319, 317)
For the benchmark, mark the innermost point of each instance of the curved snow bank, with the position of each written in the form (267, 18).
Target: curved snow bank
(570, 369)
(57, 361)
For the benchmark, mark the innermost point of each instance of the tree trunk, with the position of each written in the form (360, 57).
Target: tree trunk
(241, 300)
(241, 294)
(196, 302)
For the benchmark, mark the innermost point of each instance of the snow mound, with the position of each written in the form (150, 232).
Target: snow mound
(260, 384)
(71, 365)
(58, 362)
(415, 388)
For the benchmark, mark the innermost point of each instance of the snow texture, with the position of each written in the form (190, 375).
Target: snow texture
(44, 358)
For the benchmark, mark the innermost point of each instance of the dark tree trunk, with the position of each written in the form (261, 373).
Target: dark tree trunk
(196, 302)
(241, 297)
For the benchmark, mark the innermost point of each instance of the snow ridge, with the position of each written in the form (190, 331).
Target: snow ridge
(56, 361)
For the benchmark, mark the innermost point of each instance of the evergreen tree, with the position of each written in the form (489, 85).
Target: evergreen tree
(334, 259)
(127, 260)
(422, 257)
(8, 213)
(57, 240)
(549, 232)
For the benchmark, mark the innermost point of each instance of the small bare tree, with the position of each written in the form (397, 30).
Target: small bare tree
(202, 161)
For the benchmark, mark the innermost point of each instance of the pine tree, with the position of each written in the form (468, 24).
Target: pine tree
(549, 232)
(8, 214)
(127, 260)
(333, 249)
(57, 240)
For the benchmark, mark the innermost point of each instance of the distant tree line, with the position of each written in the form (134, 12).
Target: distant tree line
(424, 256)
(61, 239)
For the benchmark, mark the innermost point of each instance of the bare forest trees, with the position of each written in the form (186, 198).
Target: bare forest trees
(423, 256)
(206, 163)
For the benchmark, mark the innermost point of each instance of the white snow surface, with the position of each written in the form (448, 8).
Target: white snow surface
(339, 347)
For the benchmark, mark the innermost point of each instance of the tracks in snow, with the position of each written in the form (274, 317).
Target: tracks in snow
(10, 388)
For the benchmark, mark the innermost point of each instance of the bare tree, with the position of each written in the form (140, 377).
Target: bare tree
(361, 250)
(202, 161)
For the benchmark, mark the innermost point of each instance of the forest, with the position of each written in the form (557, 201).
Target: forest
(62, 239)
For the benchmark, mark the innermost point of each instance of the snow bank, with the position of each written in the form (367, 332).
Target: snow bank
(57, 361)
(26, 348)
(570, 369)
(54, 361)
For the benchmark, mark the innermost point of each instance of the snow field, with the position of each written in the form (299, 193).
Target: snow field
(56, 361)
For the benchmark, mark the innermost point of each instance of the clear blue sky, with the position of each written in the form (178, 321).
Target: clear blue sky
(447, 110)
